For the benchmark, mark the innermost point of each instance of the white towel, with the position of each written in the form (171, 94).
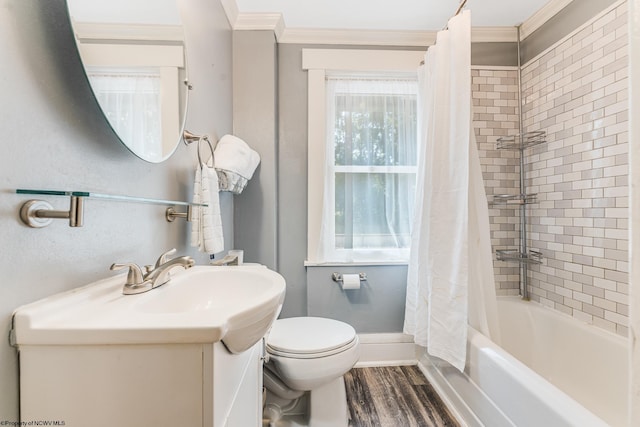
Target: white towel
(206, 226)
(236, 162)
(196, 211)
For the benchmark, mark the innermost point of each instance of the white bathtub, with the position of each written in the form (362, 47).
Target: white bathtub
(552, 370)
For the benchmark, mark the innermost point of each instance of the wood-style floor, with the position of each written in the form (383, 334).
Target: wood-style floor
(395, 396)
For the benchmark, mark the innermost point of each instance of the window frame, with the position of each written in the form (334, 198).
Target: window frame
(318, 63)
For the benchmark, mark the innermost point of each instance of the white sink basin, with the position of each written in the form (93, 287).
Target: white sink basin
(236, 305)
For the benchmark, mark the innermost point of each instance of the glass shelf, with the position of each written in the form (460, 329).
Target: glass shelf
(38, 213)
(113, 197)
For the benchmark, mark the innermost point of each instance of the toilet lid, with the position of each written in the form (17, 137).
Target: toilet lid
(309, 335)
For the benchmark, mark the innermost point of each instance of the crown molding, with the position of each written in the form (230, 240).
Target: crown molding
(493, 34)
(389, 38)
(357, 37)
(231, 10)
(275, 22)
(261, 21)
(539, 18)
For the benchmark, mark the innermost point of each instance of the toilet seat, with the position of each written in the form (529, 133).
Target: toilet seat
(310, 337)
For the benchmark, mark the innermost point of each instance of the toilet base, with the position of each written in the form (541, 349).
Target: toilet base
(325, 406)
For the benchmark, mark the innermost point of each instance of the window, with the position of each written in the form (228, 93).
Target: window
(371, 168)
(362, 162)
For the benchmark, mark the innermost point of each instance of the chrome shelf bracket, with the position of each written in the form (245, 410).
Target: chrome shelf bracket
(38, 213)
(171, 214)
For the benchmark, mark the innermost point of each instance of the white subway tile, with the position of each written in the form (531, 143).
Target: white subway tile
(616, 318)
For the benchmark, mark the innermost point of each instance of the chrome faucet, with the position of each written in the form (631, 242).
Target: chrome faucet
(160, 275)
(156, 276)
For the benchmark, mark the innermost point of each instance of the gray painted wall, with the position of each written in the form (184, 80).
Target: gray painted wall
(495, 54)
(292, 178)
(377, 307)
(255, 121)
(52, 138)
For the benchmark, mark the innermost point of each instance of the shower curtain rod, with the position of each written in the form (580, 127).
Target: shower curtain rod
(462, 3)
(460, 6)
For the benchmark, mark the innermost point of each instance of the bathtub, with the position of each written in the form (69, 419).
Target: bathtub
(551, 370)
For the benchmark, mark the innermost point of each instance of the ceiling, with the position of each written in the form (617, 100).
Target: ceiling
(392, 15)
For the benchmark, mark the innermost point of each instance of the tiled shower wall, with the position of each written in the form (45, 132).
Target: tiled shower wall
(495, 114)
(576, 91)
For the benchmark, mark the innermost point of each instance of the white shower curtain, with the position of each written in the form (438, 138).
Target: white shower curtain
(440, 267)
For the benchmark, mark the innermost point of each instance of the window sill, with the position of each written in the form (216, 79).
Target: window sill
(355, 263)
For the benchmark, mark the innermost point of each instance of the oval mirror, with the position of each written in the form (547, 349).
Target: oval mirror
(133, 53)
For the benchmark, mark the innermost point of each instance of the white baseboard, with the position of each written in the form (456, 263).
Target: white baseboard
(390, 349)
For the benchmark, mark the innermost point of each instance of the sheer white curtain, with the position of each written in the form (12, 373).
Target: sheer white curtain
(370, 168)
(439, 266)
(131, 103)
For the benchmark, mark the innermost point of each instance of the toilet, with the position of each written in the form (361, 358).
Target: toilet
(303, 378)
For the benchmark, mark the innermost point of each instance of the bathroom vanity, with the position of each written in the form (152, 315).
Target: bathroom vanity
(188, 353)
(142, 385)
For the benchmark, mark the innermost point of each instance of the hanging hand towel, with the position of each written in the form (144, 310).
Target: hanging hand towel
(196, 210)
(211, 220)
(235, 162)
(206, 224)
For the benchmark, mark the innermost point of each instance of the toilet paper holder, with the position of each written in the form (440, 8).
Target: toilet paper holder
(337, 277)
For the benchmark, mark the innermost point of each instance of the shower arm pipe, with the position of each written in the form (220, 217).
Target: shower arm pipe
(524, 291)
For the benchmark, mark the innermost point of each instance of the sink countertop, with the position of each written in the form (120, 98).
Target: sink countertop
(198, 305)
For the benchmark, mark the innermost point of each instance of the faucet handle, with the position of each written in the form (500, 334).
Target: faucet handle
(134, 277)
(163, 258)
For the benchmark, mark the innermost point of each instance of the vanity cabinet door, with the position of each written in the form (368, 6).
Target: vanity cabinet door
(236, 388)
(190, 385)
(247, 408)
(106, 386)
